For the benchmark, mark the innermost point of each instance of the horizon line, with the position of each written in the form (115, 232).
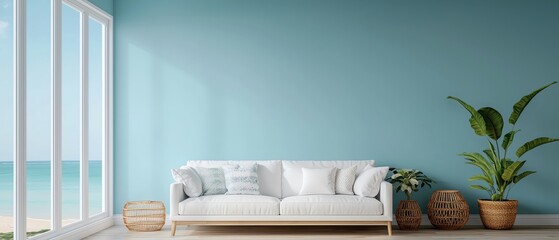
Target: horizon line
(2, 161)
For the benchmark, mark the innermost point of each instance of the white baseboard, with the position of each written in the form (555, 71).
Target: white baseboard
(537, 219)
(521, 220)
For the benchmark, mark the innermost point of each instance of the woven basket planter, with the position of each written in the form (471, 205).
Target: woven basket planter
(498, 215)
(408, 215)
(144, 216)
(448, 210)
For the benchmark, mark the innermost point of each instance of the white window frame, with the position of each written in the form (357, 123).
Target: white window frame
(87, 224)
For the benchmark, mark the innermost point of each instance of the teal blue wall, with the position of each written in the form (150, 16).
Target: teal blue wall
(106, 5)
(302, 79)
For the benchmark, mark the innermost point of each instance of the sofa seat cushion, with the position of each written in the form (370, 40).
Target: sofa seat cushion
(330, 205)
(230, 205)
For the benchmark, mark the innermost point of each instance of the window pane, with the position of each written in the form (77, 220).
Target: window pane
(6, 117)
(70, 115)
(38, 115)
(95, 117)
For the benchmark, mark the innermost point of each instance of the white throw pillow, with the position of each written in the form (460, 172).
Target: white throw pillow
(190, 180)
(368, 182)
(318, 181)
(345, 179)
(242, 180)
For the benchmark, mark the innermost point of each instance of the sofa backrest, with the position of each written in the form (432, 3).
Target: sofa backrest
(292, 175)
(269, 173)
(282, 178)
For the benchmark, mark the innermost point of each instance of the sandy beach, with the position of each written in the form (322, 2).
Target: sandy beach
(7, 224)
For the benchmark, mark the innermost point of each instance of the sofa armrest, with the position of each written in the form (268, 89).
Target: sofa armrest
(386, 198)
(177, 195)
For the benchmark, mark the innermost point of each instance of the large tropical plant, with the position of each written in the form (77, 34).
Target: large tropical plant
(499, 171)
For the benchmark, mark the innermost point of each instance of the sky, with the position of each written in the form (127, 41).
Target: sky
(38, 82)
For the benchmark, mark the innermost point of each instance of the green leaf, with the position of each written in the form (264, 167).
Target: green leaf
(476, 120)
(512, 169)
(493, 122)
(477, 127)
(493, 156)
(533, 144)
(478, 160)
(496, 197)
(479, 187)
(519, 177)
(482, 167)
(523, 102)
(490, 155)
(508, 138)
(506, 162)
(487, 179)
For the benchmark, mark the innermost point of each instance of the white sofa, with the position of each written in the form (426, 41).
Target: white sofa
(279, 203)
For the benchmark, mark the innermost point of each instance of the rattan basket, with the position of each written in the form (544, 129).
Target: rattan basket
(408, 215)
(448, 210)
(499, 215)
(144, 216)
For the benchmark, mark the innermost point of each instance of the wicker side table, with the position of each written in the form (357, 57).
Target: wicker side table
(448, 210)
(144, 216)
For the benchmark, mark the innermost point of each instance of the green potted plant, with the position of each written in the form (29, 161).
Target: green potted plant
(498, 169)
(408, 212)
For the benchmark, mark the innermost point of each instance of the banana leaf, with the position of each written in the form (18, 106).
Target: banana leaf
(512, 169)
(476, 120)
(508, 138)
(487, 179)
(493, 122)
(523, 102)
(478, 160)
(519, 177)
(533, 144)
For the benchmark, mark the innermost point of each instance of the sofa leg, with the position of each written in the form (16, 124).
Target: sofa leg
(389, 226)
(173, 228)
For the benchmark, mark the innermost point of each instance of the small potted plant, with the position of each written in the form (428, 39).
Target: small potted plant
(408, 213)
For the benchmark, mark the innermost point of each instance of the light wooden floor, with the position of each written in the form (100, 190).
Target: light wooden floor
(328, 232)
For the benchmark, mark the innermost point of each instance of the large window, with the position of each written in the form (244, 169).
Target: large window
(55, 118)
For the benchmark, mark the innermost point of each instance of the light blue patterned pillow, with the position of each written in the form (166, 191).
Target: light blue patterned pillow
(213, 180)
(242, 180)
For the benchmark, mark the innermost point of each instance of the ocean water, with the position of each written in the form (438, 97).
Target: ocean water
(39, 189)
